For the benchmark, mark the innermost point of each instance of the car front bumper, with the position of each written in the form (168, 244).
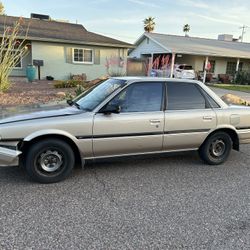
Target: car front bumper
(9, 157)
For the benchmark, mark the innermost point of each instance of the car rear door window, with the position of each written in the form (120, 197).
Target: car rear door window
(182, 96)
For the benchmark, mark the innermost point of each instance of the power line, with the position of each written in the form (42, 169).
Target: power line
(244, 27)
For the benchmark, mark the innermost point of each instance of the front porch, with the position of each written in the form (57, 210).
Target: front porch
(213, 68)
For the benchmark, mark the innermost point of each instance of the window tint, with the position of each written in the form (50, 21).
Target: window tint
(183, 96)
(140, 97)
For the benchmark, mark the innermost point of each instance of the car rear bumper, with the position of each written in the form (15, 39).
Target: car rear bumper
(244, 136)
(9, 157)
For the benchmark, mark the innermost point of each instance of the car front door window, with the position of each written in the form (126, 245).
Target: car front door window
(140, 97)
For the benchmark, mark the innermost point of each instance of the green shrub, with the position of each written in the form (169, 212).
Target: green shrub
(79, 89)
(68, 83)
(242, 78)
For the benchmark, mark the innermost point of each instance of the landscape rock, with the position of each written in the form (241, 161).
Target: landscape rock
(61, 94)
(234, 99)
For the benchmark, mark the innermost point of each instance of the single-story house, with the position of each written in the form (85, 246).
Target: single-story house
(65, 48)
(226, 56)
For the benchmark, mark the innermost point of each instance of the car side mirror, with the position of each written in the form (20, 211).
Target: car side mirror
(110, 109)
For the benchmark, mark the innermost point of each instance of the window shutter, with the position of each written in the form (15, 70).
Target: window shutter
(69, 55)
(97, 59)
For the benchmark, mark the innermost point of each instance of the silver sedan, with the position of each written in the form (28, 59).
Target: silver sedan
(120, 117)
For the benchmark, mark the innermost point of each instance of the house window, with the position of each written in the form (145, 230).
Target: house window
(18, 63)
(231, 67)
(83, 56)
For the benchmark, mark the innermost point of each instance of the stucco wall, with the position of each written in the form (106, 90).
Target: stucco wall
(147, 46)
(56, 64)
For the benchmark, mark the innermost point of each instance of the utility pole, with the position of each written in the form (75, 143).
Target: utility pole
(244, 27)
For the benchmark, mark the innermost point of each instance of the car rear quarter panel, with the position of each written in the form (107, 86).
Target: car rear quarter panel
(236, 118)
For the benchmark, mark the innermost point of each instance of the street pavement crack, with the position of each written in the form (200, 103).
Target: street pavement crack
(105, 189)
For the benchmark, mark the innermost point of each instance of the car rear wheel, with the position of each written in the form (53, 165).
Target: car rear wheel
(49, 161)
(216, 149)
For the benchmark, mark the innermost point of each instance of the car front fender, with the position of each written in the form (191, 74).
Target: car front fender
(46, 132)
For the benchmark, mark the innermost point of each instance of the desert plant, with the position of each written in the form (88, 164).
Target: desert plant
(79, 90)
(2, 11)
(115, 66)
(67, 83)
(149, 24)
(11, 50)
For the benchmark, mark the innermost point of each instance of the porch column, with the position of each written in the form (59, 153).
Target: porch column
(205, 70)
(150, 64)
(172, 65)
(237, 65)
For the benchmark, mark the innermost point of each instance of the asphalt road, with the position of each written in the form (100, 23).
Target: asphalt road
(160, 202)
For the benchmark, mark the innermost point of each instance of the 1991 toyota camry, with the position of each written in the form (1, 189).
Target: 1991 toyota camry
(124, 116)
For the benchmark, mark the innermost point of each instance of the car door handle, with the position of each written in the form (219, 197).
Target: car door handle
(207, 118)
(155, 121)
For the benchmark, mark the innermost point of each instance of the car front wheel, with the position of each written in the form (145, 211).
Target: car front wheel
(216, 149)
(49, 161)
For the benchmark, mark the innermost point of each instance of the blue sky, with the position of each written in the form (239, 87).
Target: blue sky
(122, 19)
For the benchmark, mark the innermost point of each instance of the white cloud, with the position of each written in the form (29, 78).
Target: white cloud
(195, 4)
(218, 20)
(144, 3)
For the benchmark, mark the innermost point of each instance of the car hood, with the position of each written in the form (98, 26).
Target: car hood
(41, 114)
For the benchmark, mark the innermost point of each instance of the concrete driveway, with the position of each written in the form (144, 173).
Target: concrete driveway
(160, 202)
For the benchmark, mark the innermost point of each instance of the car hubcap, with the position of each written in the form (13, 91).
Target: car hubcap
(218, 148)
(50, 161)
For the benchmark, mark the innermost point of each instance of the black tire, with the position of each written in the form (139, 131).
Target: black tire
(49, 161)
(216, 149)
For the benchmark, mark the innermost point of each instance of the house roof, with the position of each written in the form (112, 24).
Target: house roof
(198, 46)
(61, 32)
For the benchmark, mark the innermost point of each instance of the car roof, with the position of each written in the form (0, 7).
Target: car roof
(155, 79)
(131, 79)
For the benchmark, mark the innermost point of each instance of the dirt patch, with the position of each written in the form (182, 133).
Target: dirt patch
(22, 92)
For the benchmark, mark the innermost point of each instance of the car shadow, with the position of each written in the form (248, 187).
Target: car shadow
(166, 161)
(189, 158)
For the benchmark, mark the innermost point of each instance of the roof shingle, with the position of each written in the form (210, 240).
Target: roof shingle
(200, 46)
(46, 30)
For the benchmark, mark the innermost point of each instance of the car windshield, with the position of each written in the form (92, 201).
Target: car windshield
(90, 99)
(188, 67)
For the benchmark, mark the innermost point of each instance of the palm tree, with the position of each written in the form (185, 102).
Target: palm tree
(149, 24)
(186, 29)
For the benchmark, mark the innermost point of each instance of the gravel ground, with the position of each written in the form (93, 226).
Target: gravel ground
(23, 93)
(160, 202)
